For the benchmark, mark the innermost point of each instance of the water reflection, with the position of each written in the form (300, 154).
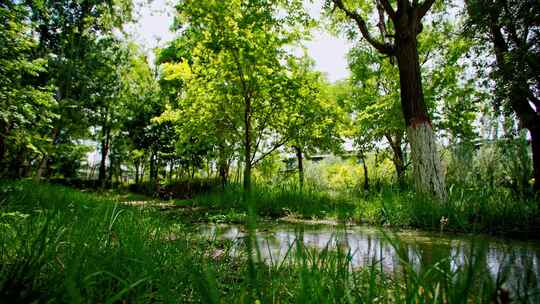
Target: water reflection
(515, 262)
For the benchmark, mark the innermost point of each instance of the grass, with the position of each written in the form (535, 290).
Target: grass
(60, 245)
(275, 201)
(467, 210)
(472, 207)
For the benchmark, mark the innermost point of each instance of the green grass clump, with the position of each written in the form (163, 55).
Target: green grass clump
(466, 210)
(276, 201)
(59, 245)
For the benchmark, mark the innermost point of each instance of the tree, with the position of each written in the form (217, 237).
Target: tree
(105, 63)
(316, 118)
(204, 126)
(235, 76)
(510, 28)
(150, 139)
(26, 105)
(67, 31)
(399, 28)
(376, 101)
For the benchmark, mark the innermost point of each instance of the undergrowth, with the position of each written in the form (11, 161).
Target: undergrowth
(59, 245)
(469, 210)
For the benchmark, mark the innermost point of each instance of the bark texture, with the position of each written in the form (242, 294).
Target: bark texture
(427, 169)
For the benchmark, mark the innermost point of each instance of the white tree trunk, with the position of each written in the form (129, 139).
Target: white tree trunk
(427, 168)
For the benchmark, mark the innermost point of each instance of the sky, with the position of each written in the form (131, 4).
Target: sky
(154, 19)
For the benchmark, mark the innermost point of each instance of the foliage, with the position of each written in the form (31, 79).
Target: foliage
(49, 59)
(318, 118)
(507, 31)
(26, 109)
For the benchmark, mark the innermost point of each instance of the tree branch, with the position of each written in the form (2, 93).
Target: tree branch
(382, 21)
(424, 8)
(426, 58)
(388, 8)
(274, 148)
(384, 48)
(262, 128)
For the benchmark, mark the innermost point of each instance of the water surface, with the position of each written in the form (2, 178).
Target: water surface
(512, 261)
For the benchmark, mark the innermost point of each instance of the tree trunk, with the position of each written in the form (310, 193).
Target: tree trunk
(171, 168)
(26, 168)
(300, 159)
(247, 175)
(223, 170)
(223, 175)
(3, 135)
(137, 170)
(427, 168)
(142, 172)
(104, 152)
(153, 175)
(192, 172)
(366, 176)
(398, 158)
(43, 164)
(41, 167)
(247, 145)
(535, 144)
(112, 171)
(238, 170)
(154, 172)
(427, 171)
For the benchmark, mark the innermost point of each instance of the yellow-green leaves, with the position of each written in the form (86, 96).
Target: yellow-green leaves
(177, 71)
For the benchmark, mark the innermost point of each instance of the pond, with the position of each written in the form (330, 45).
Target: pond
(516, 262)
